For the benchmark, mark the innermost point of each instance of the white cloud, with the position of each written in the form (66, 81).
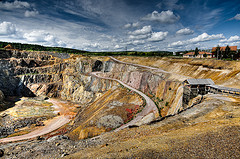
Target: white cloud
(144, 30)
(19, 5)
(132, 25)
(163, 17)
(136, 42)
(31, 13)
(128, 26)
(14, 5)
(10, 31)
(7, 28)
(119, 47)
(144, 36)
(206, 37)
(185, 31)
(36, 36)
(158, 36)
(140, 34)
(236, 17)
(177, 43)
(40, 36)
(201, 38)
(231, 39)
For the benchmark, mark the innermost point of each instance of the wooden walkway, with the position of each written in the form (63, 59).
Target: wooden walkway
(224, 90)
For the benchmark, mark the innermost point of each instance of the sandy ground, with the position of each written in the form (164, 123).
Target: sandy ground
(50, 125)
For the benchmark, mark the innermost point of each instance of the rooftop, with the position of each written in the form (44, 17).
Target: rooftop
(200, 53)
(200, 81)
(232, 48)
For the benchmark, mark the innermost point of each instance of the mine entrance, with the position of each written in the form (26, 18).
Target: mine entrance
(98, 66)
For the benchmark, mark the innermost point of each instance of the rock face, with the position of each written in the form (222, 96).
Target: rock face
(5, 54)
(29, 74)
(158, 86)
(35, 73)
(1, 96)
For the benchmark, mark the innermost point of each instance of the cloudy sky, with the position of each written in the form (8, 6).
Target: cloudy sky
(114, 25)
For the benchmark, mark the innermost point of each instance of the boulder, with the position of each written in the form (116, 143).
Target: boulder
(58, 137)
(110, 121)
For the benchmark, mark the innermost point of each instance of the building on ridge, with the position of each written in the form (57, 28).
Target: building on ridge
(201, 54)
(222, 49)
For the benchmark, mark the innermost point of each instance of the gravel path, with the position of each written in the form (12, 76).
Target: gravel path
(148, 67)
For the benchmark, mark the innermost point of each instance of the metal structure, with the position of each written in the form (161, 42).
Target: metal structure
(199, 82)
(223, 90)
(194, 87)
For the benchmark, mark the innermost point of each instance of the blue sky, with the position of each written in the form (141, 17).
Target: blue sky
(114, 25)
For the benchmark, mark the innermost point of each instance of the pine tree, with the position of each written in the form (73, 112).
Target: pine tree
(227, 52)
(218, 54)
(196, 52)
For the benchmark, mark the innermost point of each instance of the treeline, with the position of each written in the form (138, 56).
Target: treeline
(34, 47)
(133, 53)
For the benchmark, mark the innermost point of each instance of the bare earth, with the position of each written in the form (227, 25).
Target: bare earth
(143, 66)
(50, 126)
(149, 108)
(208, 130)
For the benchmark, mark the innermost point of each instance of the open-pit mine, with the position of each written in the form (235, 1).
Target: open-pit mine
(55, 105)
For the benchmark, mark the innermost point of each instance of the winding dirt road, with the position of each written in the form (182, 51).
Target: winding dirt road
(50, 126)
(59, 121)
(149, 108)
(148, 67)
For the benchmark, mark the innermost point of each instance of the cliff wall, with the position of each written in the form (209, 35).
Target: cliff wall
(68, 79)
(100, 100)
(225, 73)
(162, 90)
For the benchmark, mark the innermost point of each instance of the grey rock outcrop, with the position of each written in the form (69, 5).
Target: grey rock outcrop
(110, 121)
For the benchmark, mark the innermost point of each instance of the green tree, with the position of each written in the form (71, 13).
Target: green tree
(205, 55)
(196, 52)
(218, 52)
(227, 52)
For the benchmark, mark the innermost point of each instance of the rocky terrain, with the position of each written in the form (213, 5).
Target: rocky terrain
(225, 73)
(97, 107)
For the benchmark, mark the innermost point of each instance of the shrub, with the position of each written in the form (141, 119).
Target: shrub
(166, 104)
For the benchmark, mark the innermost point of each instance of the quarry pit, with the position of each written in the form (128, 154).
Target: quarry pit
(60, 105)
